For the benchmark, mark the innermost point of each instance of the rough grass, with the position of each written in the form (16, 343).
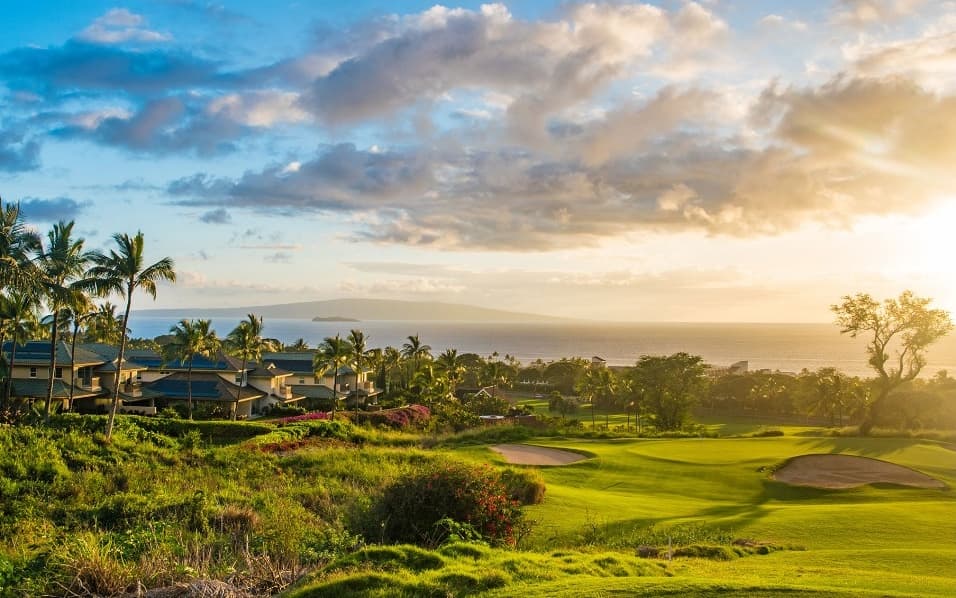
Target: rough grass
(461, 570)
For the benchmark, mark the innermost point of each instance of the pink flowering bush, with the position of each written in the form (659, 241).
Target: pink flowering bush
(412, 508)
(412, 416)
(316, 415)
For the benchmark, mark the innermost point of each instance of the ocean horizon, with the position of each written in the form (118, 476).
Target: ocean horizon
(774, 346)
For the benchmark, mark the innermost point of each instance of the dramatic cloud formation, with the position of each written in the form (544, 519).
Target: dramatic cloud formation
(547, 128)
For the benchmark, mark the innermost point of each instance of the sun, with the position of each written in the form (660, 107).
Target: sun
(933, 242)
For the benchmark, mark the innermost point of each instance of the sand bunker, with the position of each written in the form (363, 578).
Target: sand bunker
(847, 471)
(523, 454)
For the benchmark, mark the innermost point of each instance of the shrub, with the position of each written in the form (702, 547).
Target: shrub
(767, 433)
(305, 417)
(411, 416)
(411, 508)
(524, 485)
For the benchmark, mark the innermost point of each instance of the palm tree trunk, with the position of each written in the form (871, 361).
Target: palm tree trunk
(335, 390)
(49, 386)
(13, 359)
(235, 411)
(189, 388)
(119, 363)
(76, 330)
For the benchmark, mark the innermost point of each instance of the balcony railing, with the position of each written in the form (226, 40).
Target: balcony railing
(91, 384)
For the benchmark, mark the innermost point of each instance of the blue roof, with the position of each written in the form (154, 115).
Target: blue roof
(178, 389)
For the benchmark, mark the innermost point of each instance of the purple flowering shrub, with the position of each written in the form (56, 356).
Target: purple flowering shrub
(316, 415)
(412, 416)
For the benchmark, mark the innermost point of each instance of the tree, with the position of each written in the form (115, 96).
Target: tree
(62, 265)
(449, 363)
(190, 338)
(357, 356)
(18, 315)
(298, 346)
(898, 331)
(415, 351)
(123, 270)
(245, 341)
(598, 387)
(670, 386)
(81, 310)
(105, 326)
(18, 246)
(333, 353)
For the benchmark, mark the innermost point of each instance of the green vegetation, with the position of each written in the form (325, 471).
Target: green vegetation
(260, 504)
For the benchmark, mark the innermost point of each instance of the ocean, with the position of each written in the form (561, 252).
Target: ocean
(785, 347)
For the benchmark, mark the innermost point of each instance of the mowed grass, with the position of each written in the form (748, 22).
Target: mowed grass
(882, 540)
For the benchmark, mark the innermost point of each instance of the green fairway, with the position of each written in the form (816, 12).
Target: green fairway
(884, 540)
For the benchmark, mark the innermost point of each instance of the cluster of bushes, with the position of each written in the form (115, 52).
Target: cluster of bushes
(400, 418)
(281, 410)
(426, 506)
(304, 417)
(165, 502)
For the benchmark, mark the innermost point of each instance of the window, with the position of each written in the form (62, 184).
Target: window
(139, 375)
(58, 373)
(33, 372)
(301, 380)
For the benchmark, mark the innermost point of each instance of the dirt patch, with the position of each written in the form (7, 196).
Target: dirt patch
(848, 471)
(525, 454)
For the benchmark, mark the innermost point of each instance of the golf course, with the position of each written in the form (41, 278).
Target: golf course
(696, 500)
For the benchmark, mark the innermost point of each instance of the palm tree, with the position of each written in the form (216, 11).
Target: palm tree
(246, 341)
(357, 342)
(391, 359)
(105, 326)
(81, 310)
(123, 271)
(416, 351)
(333, 353)
(18, 312)
(299, 345)
(18, 245)
(450, 364)
(190, 338)
(62, 265)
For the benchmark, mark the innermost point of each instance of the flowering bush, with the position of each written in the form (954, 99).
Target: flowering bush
(411, 416)
(304, 418)
(411, 509)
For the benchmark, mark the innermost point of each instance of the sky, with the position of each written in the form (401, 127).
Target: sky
(710, 161)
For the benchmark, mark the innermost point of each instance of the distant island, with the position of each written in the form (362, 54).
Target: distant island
(334, 319)
(359, 310)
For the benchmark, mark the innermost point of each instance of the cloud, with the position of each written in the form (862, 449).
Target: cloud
(163, 126)
(861, 13)
(51, 210)
(18, 152)
(279, 257)
(404, 287)
(545, 66)
(217, 216)
(62, 70)
(118, 26)
(850, 147)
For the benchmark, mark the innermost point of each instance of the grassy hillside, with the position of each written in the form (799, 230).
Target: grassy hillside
(259, 506)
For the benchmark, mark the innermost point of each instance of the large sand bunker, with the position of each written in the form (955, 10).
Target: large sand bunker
(848, 471)
(524, 454)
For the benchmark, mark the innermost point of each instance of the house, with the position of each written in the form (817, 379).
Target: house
(84, 377)
(598, 362)
(221, 381)
(355, 388)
